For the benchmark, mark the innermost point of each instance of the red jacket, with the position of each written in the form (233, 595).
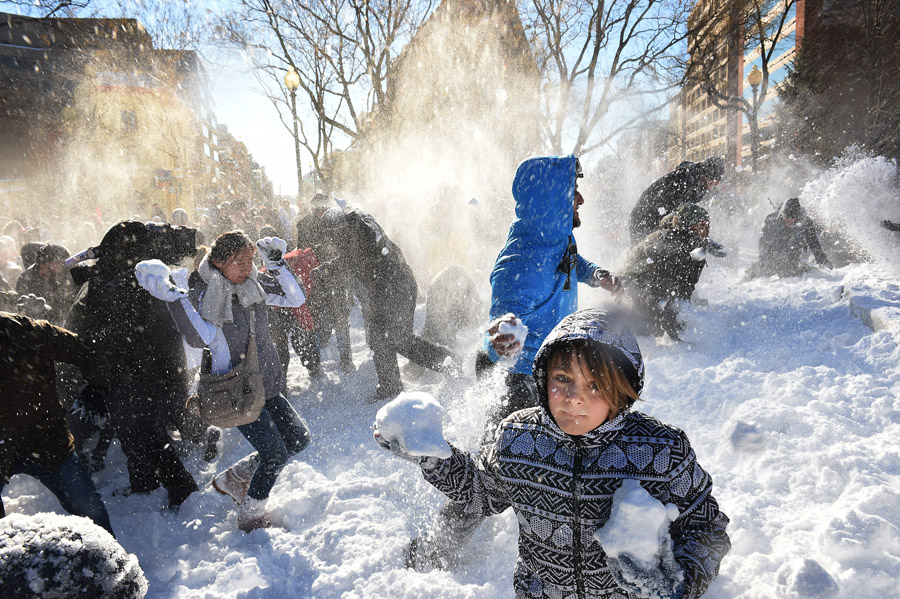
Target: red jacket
(302, 262)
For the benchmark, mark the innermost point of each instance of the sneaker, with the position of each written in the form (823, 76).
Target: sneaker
(253, 515)
(235, 482)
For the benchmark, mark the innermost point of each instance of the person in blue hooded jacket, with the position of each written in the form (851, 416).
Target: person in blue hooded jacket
(536, 275)
(535, 281)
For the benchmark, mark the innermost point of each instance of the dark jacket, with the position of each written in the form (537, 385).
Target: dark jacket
(59, 293)
(661, 266)
(783, 249)
(144, 365)
(32, 420)
(561, 486)
(681, 186)
(366, 253)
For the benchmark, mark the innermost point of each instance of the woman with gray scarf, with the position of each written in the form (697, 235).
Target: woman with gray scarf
(224, 293)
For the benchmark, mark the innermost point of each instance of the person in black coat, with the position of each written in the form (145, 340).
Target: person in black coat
(667, 265)
(788, 236)
(143, 364)
(356, 244)
(687, 184)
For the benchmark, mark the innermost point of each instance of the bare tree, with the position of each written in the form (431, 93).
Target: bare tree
(344, 52)
(52, 8)
(727, 32)
(606, 65)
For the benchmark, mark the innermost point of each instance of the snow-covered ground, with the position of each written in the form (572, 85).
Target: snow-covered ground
(788, 389)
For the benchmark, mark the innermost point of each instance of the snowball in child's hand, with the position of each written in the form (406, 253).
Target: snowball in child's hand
(516, 328)
(637, 524)
(414, 419)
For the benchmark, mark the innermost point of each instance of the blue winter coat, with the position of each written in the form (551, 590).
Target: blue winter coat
(536, 274)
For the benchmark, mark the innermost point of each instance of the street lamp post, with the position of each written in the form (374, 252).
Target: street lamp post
(292, 82)
(754, 78)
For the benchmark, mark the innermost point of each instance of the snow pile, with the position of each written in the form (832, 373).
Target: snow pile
(49, 556)
(854, 197)
(414, 419)
(637, 526)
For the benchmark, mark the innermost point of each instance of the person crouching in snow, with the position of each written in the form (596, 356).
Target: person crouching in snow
(225, 293)
(558, 465)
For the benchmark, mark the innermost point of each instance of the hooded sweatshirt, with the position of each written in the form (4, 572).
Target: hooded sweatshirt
(561, 486)
(536, 274)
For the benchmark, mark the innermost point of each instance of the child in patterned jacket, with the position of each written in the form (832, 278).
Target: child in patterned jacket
(558, 466)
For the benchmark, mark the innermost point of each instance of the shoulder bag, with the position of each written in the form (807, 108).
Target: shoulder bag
(236, 397)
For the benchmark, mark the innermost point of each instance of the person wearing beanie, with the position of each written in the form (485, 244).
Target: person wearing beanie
(563, 466)
(687, 184)
(788, 237)
(666, 267)
(49, 278)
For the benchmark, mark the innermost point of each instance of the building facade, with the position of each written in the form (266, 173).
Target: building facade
(702, 129)
(93, 116)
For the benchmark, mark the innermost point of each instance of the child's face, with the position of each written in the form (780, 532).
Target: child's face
(237, 268)
(576, 400)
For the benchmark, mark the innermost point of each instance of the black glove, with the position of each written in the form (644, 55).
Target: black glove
(91, 407)
(714, 248)
(664, 581)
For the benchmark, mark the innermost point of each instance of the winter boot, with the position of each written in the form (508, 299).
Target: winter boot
(212, 448)
(252, 515)
(235, 482)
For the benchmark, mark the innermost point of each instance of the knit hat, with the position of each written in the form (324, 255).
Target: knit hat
(689, 215)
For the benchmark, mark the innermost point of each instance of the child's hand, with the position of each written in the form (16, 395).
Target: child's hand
(507, 335)
(665, 580)
(394, 446)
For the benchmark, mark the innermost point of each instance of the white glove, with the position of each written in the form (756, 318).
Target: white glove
(272, 250)
(154, 276)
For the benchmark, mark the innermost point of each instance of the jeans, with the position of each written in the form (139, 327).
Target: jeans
(277, 434)
(72, 486)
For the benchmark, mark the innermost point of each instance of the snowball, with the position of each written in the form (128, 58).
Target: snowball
(637, 525)
(517, 329)
(414, 420)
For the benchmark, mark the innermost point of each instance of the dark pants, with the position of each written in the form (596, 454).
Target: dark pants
(152, 460)
(284, 329)
(71, 484)
(389, 331)
(277, 434)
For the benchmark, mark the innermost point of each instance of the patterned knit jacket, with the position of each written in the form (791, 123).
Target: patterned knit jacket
(561, 489)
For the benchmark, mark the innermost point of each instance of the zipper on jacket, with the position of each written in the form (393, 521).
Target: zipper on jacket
(577, 490)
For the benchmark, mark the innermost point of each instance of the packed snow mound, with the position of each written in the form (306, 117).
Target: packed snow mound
(51, 556)
(805, 579)
(415, 420)
(637, 526)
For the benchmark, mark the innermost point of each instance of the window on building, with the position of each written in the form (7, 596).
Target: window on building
(129, 121)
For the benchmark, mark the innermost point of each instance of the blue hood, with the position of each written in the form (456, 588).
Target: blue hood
(526, 279)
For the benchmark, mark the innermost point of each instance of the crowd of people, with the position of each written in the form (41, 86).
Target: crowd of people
(108, 342)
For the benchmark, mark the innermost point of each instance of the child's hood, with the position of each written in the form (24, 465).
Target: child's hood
(606, 328)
